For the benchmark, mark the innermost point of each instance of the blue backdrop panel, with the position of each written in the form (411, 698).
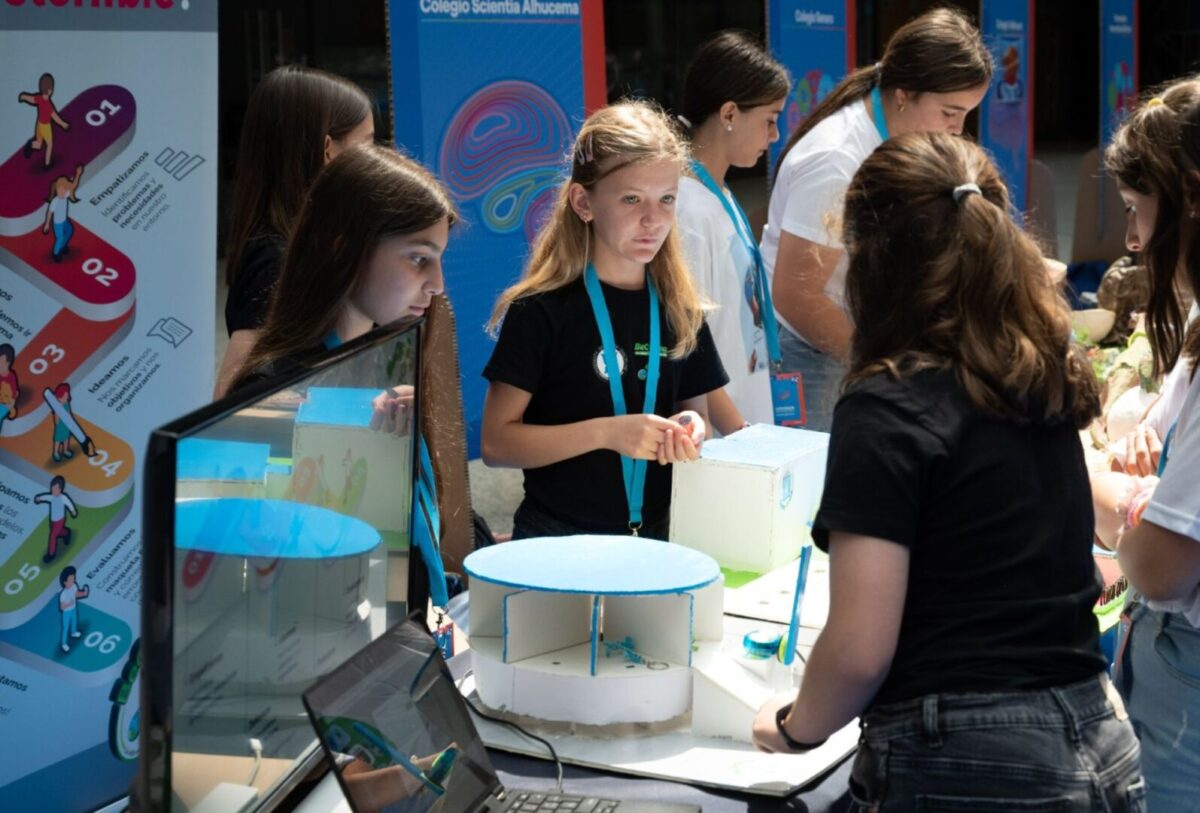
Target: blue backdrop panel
(489, 96)
(1007, 110)
(1118, 64)
(815, 40)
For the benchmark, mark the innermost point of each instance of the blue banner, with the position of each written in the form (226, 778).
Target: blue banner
(489, 96)
(1118, 64)
(815, 40)
(1006, 115)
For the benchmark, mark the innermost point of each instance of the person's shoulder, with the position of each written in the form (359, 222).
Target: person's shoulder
(697, 208)
(931, 399)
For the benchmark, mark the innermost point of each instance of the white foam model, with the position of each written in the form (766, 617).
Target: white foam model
(625, 638)
(747, 502)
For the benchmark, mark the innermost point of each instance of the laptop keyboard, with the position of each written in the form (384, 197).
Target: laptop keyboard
(524, 802)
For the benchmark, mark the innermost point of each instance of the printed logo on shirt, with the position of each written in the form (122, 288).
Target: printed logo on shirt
(601, 369)
(643, 349)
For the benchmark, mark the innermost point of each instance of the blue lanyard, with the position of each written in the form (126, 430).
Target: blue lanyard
(427, 526)
(332, 340)
(762, 287)
(1166, 449)
(877, 113)
(634, 471)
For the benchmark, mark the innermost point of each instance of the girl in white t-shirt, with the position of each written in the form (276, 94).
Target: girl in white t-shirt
(733, 95)
(1155, 158)
(935, 69)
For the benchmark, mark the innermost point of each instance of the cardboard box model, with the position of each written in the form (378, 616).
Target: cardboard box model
(749, 500)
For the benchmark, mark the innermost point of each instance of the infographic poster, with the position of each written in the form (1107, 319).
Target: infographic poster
(815, 40)
(1118, 64)
(489, 95)
(1006, 114)
(107, 277)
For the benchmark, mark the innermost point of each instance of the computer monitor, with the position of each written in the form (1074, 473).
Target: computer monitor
(276, 544)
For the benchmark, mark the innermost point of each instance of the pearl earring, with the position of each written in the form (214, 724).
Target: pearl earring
(729, 128)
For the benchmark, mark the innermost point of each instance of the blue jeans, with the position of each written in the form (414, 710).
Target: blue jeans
(530, 522)
(820, 374)
(70, 624)
(1159, 675)
(62, 236)
(1060, 749)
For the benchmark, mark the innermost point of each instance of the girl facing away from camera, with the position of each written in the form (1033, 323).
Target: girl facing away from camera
(603, 365)
(957, 513)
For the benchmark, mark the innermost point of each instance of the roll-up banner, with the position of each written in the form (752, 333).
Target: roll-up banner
(814, 39)
(489, 95)
(1006, 114)
(108, 147)
(1118, 64)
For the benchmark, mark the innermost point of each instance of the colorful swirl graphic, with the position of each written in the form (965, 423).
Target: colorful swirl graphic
(506, 143)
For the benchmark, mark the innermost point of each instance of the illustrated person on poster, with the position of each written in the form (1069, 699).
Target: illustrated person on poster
(61, 447)
(10, 388)
(62, 193)
(71, 593)
(60, 503)
(47, 116)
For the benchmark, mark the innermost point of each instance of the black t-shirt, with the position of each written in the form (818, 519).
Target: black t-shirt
(998, 521)
(250, 293)
(550, 347)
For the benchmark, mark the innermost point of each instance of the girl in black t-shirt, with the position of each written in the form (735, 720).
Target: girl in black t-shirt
(957, 514)
(297, 121)
(607, 261)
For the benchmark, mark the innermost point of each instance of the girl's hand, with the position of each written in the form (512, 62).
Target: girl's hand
(764, 732)
(1142, 451)
(638, 436)
(391, 411)
(682, 446)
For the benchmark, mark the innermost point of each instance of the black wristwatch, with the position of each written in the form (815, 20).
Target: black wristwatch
(793, 745)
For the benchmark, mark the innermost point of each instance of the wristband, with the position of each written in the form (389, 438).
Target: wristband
(793, 745)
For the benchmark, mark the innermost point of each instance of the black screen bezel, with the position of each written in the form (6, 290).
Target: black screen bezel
(152, 790)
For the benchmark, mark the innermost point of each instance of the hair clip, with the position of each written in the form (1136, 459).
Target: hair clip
(1155, 102)
(878, 73)
(684, 121)
(965, 189)
(585, 155)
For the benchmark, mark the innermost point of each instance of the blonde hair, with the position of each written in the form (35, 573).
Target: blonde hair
(612, 138)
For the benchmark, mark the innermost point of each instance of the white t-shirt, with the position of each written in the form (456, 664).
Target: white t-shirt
(58, 504)
(724, 270)
(58, 208)
(66, 599)
(1176, 501)
(811, 187)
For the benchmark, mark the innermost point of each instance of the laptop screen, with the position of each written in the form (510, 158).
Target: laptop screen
(398, 731)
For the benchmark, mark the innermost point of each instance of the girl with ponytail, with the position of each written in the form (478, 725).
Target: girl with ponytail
(957, 513)
(935, 69)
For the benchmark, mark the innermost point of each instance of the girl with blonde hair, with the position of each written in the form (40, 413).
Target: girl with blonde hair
(603, 362)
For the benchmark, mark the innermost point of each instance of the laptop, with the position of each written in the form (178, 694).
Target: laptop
(401, 739)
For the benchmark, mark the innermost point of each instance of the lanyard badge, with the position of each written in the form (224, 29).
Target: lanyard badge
(634, 471)
(787, 389)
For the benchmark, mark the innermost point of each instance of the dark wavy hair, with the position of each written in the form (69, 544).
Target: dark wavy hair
(940, 51)
(1157, 152)
(940, 283)
(366, 194)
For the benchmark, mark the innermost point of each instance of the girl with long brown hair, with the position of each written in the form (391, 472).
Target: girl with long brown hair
(588, 381)
(366, 250)
(298, 119)
(956, 513)
(733, 95)
(1155, 158)
(934, 70)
